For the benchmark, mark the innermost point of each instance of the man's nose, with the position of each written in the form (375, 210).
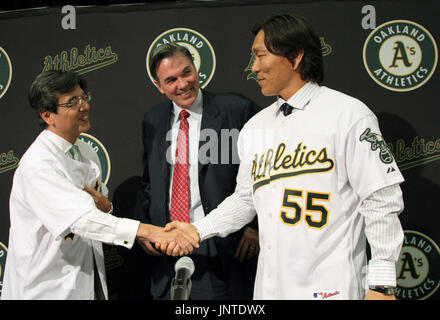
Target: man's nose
(182, 83)
(85, 105)
(255, 66)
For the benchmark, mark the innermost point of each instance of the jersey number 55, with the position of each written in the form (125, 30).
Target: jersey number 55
(316, 214)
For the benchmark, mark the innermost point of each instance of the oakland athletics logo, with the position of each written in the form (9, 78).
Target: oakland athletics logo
(196, 43)
(5, 72)
(377, 142)
(418, 268)
(104, 159)
(400, 55)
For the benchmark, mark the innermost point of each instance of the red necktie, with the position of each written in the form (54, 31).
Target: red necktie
(180, 189)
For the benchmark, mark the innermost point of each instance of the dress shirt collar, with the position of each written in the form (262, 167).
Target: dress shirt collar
(300, 99)
(195, 110)
(59, 142)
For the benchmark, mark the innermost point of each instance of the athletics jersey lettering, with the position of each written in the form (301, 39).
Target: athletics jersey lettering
(265, 167)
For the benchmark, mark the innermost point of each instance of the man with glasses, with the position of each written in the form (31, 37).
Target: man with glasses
(58, 207)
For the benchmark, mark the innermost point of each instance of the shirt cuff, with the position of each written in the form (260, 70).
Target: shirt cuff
(126, 230)
(204, 229)
(381, 273)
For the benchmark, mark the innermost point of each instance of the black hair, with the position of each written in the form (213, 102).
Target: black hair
(288, 35)
(164, 51)
(45, 89)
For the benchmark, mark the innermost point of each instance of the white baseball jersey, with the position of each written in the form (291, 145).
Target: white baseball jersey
(306, 175)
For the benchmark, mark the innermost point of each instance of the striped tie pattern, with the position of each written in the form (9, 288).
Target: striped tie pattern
(180, 189)
(74, 151)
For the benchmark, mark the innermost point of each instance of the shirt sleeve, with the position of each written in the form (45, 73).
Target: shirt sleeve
(97, 225)
(384, 233)
(231, 215)
(375, 177)
(235, 211)
(62, 208)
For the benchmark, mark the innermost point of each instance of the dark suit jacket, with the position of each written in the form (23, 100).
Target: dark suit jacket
(217, 273)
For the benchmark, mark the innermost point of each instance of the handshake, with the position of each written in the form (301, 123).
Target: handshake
(176, 239)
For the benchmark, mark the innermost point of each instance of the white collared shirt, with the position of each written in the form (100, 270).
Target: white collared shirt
(299, 100)
(94, 224)
(47, 204)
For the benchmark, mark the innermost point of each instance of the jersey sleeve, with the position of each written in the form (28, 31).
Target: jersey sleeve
(370, 164)
(235, 211)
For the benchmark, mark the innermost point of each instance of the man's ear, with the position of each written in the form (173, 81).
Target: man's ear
(297, 60)
(157, 84)
(47, 117)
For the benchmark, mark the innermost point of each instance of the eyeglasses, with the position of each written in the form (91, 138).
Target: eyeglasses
(76, 102)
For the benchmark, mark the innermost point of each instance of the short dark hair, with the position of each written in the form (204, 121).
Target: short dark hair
(45, 89)
(287, 35)
(164, 51)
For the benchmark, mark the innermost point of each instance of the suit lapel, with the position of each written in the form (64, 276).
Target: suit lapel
(164, 147)
(210, 120)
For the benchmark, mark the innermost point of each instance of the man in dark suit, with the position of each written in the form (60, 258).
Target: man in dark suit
(190, 166)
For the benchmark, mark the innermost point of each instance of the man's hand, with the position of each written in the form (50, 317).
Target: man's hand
(248, 245)
(374, 295)
(149, 249)
(101, 202)
(185, 229)
(180, 243)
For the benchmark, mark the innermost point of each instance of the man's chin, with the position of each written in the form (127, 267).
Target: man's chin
(267, 93)
(84, 129)
(185, 103)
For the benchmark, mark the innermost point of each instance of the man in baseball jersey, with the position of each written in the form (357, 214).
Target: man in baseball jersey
(317, 171)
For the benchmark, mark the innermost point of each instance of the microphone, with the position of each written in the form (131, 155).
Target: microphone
(181, 284)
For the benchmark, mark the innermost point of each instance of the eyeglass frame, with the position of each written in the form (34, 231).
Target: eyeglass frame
(77, 101)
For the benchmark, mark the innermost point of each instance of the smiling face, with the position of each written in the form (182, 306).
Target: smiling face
(68, 123)
(177, 79)
(276, 75)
